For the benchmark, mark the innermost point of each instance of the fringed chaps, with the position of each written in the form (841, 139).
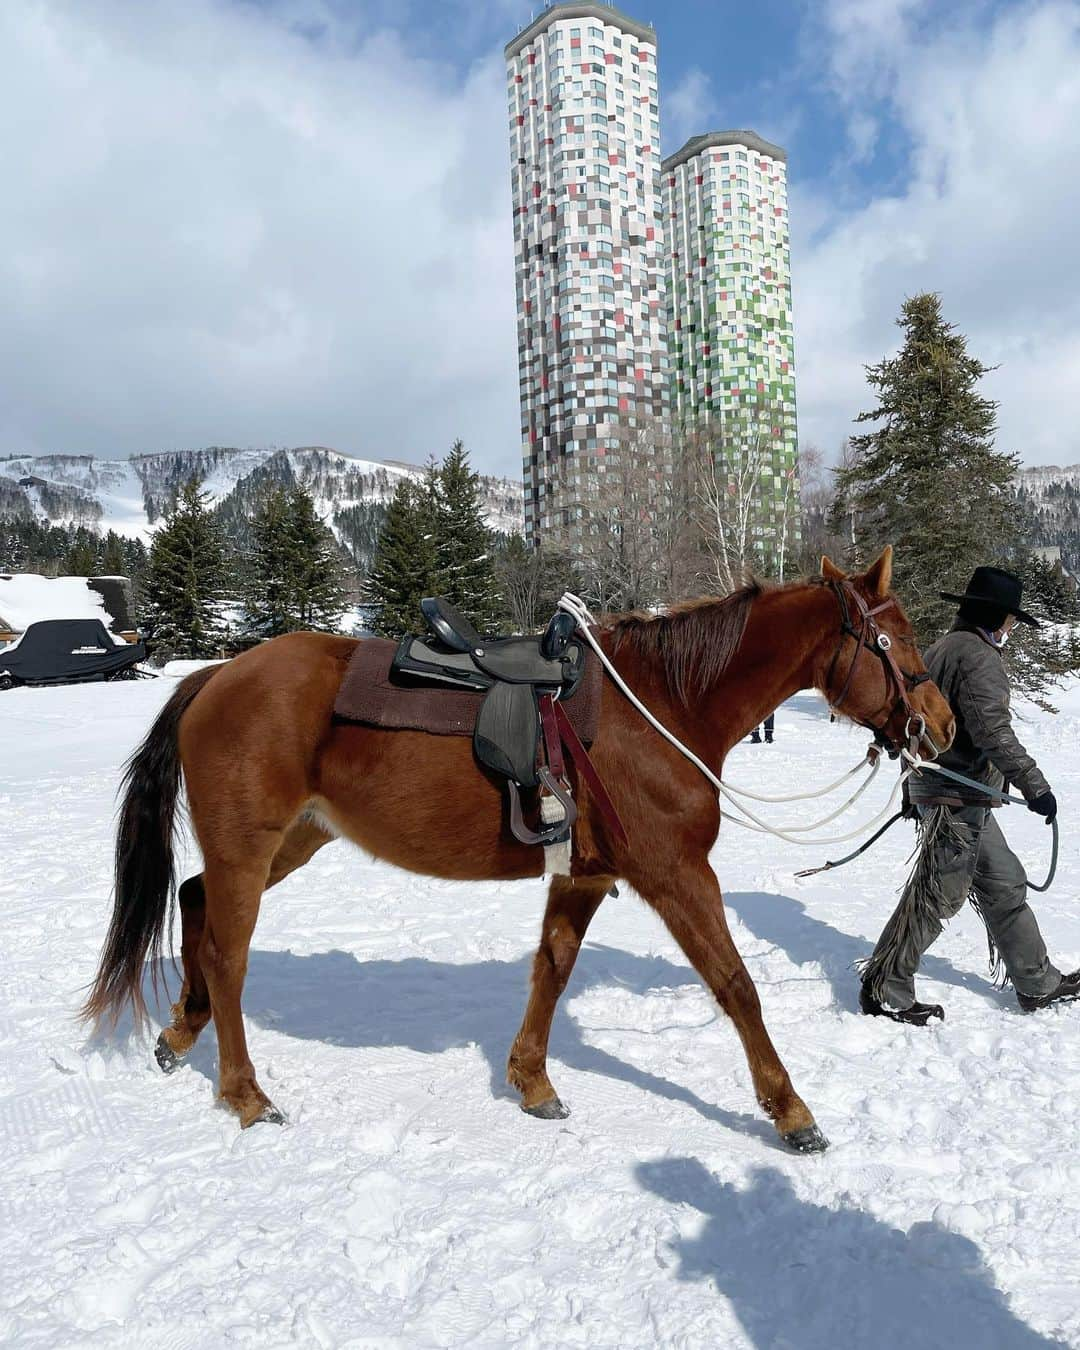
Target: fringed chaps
(922, 900)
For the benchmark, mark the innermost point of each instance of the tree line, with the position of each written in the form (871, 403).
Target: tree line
(27, 545)
(656, 519)
(203, 599)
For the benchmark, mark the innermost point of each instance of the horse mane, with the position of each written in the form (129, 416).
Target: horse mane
(693, 641)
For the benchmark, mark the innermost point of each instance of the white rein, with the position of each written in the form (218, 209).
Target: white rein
(576, 607)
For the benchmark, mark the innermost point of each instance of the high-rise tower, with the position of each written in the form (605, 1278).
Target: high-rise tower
(588, 243)
(729, 315)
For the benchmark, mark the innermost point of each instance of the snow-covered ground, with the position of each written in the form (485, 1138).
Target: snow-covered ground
(410, 1203)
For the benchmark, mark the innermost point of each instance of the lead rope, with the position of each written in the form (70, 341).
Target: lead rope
(576, 607)
(917, 763)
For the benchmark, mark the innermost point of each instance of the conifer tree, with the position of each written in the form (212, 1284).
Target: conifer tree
(928, 479)
(184, 579)
(295, 578)
(464, 546)
(1039, 658)
(112, 562)
(404, 567)
(80, 560)
(318, 579)
(266, 592)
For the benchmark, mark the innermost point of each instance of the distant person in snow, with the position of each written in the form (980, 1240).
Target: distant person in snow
(963, 853)
(768, 725)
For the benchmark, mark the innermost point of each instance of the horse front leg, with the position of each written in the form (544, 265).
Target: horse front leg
(688, 899)
(570, 907)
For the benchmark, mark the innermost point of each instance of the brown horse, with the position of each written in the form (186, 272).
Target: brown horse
(271, 777)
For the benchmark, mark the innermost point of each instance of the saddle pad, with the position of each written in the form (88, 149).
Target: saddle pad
(369, 695)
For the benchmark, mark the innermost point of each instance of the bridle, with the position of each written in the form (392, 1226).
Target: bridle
(868, 635)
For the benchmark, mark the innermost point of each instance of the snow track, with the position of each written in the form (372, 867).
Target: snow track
(409, 1202)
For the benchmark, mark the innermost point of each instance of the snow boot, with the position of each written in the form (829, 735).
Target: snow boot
(916, 1016)
(1068, 989)
(755, 739)
(768, 738)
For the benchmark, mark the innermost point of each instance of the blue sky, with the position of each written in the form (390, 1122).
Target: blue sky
(288, 222)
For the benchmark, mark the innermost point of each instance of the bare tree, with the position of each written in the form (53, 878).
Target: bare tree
(727, 457)
(817, 493)
(628, 529)
(838, 523)
(531, 581)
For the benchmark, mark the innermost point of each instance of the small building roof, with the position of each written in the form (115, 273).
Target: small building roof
(26, 598)
(750, 139)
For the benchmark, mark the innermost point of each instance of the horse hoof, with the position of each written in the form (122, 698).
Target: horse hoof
(807, 1140)
(168, 1060)
(269, 1115)
(552, 1109)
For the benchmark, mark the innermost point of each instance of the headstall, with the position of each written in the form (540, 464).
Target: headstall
(868, 635)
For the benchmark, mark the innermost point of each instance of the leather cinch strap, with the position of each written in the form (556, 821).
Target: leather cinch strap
(585, 768)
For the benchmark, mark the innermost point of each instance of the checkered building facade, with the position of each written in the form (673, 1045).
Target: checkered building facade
(589, 258)
(731, 337)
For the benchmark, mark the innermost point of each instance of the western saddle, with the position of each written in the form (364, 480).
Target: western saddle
(520, 729)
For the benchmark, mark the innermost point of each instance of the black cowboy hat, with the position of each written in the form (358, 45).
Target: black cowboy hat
(995, 588)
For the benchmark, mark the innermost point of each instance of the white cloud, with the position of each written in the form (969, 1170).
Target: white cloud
(986, 216)
(218, 229)
(241, 224)
(688, 108)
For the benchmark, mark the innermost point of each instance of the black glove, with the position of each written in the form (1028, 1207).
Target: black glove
(1045, 804)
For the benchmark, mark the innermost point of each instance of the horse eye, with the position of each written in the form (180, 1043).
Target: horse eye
(884, 641)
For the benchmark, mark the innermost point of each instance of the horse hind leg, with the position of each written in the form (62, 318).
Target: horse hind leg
(570, 908)
(233, 893)
(191, 1011)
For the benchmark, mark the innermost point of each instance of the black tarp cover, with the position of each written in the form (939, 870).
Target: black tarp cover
(59, 651)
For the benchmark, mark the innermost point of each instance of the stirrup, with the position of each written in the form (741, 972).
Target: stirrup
(557, 832)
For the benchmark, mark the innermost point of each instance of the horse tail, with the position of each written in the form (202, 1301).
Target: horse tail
(143, 889)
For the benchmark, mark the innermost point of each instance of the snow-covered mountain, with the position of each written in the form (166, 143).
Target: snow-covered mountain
(1051, 498)
(130, 495)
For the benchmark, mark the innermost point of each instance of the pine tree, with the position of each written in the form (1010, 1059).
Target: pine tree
(112, 562)
(318, 590)
(184, 579)
(80, 560)
(267, 607)
(928, 479)
(295, 576)
(404, 569)
(464, 546)
(1039, 658)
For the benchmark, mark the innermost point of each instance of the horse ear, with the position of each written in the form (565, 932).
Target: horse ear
(879, 576)
(829, 569)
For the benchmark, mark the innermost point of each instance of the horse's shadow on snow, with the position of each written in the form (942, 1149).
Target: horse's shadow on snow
(433, 1006)
(817, 1276)
(786, 923)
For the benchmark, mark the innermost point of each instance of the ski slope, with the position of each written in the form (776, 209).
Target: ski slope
(409, 1203)
(110, 494)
